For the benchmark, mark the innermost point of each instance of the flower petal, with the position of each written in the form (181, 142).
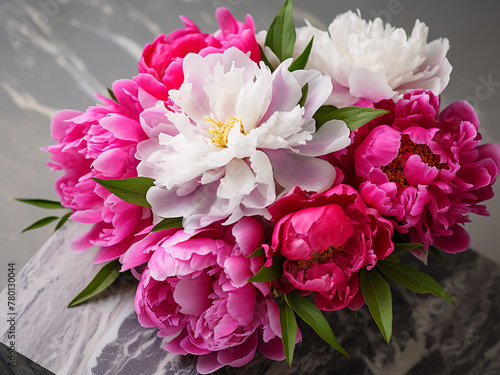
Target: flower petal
(295, 170)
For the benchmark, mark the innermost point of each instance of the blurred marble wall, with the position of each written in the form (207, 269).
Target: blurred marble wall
(56, 53)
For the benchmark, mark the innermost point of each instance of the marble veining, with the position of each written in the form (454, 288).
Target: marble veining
(103, 337)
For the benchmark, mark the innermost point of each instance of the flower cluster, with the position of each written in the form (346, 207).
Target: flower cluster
(235, 183)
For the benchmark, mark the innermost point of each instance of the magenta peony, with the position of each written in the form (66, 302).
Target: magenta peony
(160, 66)
(426, 171)
(195, 289)
(326, 239)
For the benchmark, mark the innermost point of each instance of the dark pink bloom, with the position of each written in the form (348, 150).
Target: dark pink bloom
(100, 142)
(195, 290)
(326, 239)
(160, 66)
(427, 171)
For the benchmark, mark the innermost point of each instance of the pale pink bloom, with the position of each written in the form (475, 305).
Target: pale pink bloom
(101, 143)
(427, 171)
(327, 239)
(236, 139)
(195, 290)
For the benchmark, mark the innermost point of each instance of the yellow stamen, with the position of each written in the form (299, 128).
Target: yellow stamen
(219, 132)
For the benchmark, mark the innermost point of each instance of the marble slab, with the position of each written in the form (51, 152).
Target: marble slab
(103, 337)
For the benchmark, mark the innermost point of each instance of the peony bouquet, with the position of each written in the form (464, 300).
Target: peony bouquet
(249, 179)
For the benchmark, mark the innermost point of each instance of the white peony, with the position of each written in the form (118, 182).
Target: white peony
(235, 139)
(367, 60)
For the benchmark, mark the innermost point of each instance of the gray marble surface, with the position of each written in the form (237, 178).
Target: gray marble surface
(104, 337)
(57, 53)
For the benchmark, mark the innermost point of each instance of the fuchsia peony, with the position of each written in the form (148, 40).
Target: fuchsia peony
(100, 142)
(160, 66)
(326, 239)
(195, 289)
(427, 171)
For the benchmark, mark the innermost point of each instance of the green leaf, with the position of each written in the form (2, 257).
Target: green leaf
(303, 98)
(392, 258)
(267, 274)
(301, 61)
(354, 117)
(104, 278)
(438, 253)
(413, 279)
(378, 298)
(257, 253)
(43, 203)
(322, 114)
(63, 220)
(174, 222)
(264, 58)
(112, 95)
(281, 35)
(288, 331)
(132, 190)
(402, 247)
(40, 223)
(309, 313)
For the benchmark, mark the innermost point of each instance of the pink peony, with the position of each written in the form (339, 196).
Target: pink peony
(425, 170)
(326, 239)
(195, 290)
(100, 142)
(160, 66)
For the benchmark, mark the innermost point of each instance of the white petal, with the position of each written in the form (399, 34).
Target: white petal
(308, 173)
(154, 121)
(319, 89)
(286, 91)
(264, 194)
(331, 137)
(284, 129)
(370, 85)
(254, 99)
(239, 180)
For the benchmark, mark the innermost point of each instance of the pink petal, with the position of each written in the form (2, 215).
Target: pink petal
(123, 127)
(238, 270)
(60, 123)
(459, 241)
(107, 253)
(377, 150)
(273, 349)
(111, 162)
(419, 173)
(208, 363)
(243, 354)
(249, 235)
(192, 295)
(457, 112)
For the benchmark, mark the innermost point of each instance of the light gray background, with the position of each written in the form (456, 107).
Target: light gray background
(55, 54)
